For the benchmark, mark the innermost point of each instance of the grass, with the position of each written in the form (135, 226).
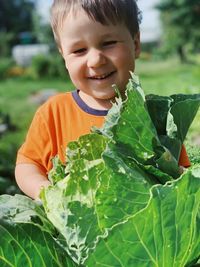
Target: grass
(15, 94)
(169, 77)
(164, 77)
(15, 101)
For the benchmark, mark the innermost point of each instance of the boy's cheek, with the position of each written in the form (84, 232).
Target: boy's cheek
(66, 63)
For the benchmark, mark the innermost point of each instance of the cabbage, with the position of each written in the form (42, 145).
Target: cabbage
(120, 198)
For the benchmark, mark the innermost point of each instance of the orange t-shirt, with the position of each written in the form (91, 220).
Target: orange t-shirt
(62, 119)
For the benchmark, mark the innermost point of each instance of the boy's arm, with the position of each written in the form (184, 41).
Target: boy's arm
(30, 179)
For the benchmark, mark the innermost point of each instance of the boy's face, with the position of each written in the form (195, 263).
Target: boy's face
(97, 56)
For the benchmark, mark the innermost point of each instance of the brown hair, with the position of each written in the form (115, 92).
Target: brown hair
(103, 11)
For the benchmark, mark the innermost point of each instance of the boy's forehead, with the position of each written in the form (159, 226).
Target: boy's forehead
(75, 36)
(76, 12)
(78, 21)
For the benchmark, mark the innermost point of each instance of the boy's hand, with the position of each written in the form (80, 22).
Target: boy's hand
(30, 179)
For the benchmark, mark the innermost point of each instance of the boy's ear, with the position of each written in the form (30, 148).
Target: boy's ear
(137, 45)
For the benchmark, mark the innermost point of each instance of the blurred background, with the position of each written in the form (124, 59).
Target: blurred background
(31, 68)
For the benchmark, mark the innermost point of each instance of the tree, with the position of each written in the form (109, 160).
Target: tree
(42, 29)
(15, 18)
(181, 23)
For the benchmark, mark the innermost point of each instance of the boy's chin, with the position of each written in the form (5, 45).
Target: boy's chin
(106, 97)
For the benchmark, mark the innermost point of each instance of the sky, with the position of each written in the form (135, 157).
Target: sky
(150, 27)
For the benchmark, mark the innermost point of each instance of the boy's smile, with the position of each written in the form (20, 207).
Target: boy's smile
(103, 76)
(97, 56)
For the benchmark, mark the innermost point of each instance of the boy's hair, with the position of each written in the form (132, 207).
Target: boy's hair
(103, 11)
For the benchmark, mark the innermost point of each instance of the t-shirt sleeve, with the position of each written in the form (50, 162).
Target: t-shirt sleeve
(184, 159)
(37, 146)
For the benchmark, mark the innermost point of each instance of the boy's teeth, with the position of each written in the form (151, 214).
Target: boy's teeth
(101, 76)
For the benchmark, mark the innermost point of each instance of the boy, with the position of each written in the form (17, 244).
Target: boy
(99, 41)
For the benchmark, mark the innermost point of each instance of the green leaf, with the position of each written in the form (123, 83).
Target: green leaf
(183, 111)
(95, 196)
(27, 245)
(21, 209)
(133, 126)
(172, 117)
(27, 236)
(57, 173)
(165, 233)
(158, 108)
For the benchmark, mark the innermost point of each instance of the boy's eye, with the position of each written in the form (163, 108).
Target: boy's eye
(109, 43)
(79, 51)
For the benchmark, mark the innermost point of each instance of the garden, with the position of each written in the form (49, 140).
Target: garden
(121, 199)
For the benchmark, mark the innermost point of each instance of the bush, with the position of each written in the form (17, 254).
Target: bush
(15, 71)
(146, 56)
(8, 186)
(193, 153)
(5, 65)
(51, 66)
(8, 151)
(6, 38)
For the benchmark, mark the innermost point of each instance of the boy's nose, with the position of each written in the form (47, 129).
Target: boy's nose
(95, 58)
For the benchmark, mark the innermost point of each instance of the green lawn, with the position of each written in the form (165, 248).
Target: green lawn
(15, 95)
(169, 77)
(159, 77)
